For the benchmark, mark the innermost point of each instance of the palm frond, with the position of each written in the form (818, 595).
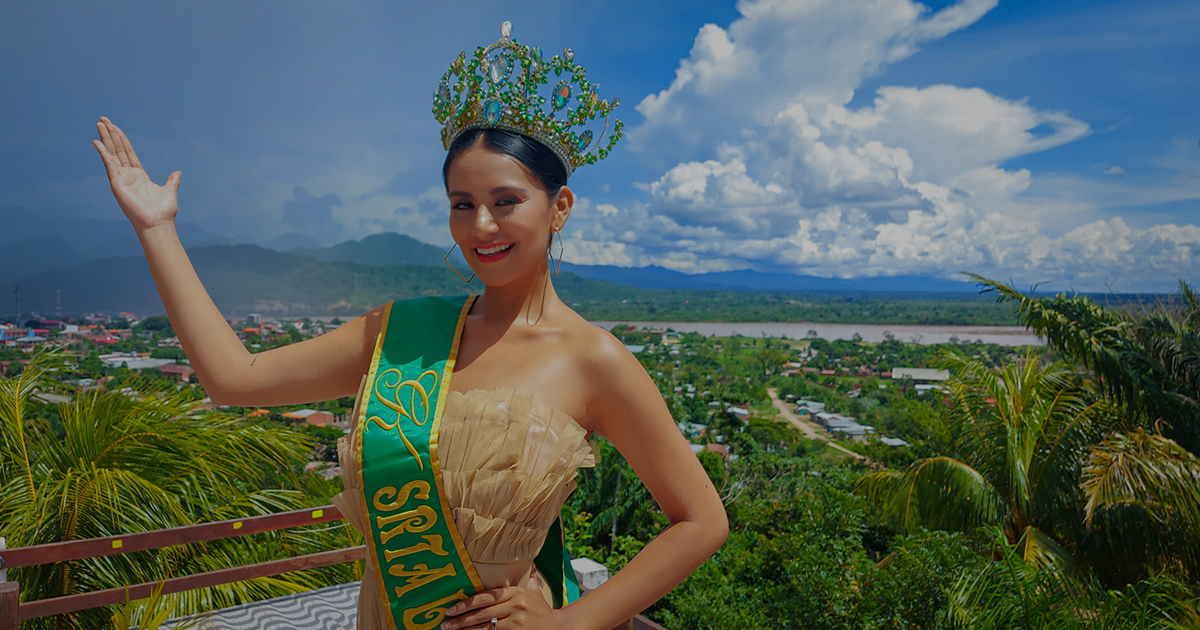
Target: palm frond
(1015, 594)
(1144, 470)
(1149, 365)
(936, 493)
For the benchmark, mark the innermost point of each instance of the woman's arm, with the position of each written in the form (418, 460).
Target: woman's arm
(629, 411)
(321, 368)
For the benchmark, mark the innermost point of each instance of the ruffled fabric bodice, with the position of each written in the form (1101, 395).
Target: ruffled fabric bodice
(508, 465)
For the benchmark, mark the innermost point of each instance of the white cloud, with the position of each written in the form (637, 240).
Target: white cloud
(423, 217)
(1114, 170)
(782, 51)
(765, 163)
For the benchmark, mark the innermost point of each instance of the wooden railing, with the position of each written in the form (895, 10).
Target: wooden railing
(13, 611)
(114, 545)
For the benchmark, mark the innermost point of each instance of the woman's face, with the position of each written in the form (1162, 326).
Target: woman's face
(500, 215)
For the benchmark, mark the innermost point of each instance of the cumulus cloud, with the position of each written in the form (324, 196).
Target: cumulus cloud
(765, 163)
(422, 216)
(785, 51)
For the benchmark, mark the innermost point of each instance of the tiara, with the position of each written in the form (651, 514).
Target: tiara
(497, 88)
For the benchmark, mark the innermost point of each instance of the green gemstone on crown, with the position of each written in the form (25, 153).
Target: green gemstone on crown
(492, 110)
(584, 140)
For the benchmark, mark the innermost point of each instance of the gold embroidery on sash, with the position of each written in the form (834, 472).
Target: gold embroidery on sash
(422, 488)
(420, 575)
(410, 580)
(433, 544)
(435, 611)
(417, 520)
(417, 390)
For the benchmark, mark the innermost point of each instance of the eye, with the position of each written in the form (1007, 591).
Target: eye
(507, 201)
(462, 205)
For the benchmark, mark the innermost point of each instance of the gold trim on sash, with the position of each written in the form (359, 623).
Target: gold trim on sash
(362, 416)
(447, 514)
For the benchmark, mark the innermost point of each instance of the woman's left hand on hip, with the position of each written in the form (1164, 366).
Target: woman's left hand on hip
(515, 608)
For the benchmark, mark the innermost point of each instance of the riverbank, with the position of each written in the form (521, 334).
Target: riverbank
(1001, 335)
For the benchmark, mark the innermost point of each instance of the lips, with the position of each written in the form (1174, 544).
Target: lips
(494, 252)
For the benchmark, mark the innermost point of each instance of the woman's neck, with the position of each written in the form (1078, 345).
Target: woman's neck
(525, 300)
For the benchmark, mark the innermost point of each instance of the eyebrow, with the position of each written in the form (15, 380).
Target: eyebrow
(494, 191)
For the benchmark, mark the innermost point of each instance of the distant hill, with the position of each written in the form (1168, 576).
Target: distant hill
(388, 248)
(351, 277)
(240, 279)
(248, 278)
(34, 254)
(31, 246)
(654, 277)
(93, 237)
(243, 279)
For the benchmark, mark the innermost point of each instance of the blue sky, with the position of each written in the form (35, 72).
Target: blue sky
(1039, 142)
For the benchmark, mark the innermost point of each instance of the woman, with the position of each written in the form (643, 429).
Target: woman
(506, 184)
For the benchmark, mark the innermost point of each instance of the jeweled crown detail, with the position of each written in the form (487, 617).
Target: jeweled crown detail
(498, 87)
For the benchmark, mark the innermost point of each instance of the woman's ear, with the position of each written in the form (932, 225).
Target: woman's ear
(561, 210)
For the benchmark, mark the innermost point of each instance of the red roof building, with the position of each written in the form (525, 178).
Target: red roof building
(177, 371)
(311, 416)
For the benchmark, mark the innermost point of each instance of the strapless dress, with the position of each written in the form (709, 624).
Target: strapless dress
(508, 465)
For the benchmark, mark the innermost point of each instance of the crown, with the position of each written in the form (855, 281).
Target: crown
(498, 87)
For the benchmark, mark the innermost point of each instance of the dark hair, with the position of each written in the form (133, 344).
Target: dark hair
(536, 157)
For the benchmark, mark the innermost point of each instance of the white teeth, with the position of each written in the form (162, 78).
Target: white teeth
(493, 250)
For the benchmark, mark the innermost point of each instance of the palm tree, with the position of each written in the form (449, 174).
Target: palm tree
(1142, 482)
(1147, 363)
(618, 502)
(1019, 432)
(112, 462)
(1012, 594)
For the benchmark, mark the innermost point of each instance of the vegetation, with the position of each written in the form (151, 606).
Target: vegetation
(1018, 432)
(1050, 491)
(1047, 488)
(112, 461)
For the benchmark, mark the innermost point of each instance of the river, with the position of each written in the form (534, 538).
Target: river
(1001, 335)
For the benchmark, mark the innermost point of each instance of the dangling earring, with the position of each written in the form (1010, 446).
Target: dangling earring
(467, 280)
(558, 232)
(550, 256)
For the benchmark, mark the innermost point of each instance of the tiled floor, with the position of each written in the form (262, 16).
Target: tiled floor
(329, 608)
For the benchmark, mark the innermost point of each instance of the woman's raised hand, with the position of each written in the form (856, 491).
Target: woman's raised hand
(144, 203)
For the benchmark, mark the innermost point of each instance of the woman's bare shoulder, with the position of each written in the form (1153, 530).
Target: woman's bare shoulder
(595, 347)
(607, 367)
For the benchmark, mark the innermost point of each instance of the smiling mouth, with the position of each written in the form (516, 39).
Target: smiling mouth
(493, 250)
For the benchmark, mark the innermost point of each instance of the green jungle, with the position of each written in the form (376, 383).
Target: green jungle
(1053, 487)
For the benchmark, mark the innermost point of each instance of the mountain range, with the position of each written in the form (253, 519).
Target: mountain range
(390, 248)
(99, 265)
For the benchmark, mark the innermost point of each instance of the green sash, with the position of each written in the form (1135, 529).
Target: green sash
(423, 566)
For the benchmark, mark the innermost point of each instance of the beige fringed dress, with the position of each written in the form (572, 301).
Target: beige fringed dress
(508, 465)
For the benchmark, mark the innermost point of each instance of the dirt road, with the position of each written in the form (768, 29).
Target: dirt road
(810, 430)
